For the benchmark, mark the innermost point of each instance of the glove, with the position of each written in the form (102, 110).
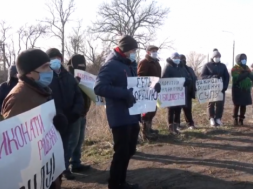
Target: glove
(216, 76)
(187, 83)
(223, 90)
(61, 123)
(78, 79)
(131, 99)
(157, 87)
(72, 118)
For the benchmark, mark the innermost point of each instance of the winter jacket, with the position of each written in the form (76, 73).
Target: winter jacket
(242, 83)
(111, 83)
(74, 64)
(149, 67)
(25, 96)
(192, 89)
(7, 86)
(67, 95)
(212, 69)
(173, 70)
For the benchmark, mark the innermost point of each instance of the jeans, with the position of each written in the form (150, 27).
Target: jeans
(215, 109)
(77, 154)
(71, 140)
(125, 141)
(242, 111)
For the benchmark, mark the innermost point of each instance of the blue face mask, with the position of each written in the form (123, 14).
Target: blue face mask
(55, 64)
(132, 57)
(176, 61)
(45, 78)
(244, 61)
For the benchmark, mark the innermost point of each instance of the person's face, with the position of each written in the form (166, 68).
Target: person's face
(243, 57)
(59, 58)
(152, 51)
(217, 56)
(43, 68)
(130, 52)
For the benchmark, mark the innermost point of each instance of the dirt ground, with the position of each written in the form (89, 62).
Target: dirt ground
(203, 159)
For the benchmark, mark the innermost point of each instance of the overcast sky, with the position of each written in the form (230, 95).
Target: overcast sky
(193, 25)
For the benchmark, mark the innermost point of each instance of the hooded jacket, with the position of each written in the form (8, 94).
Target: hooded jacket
(242, 83)
(111, 83)
(7, 86)
(74, 63)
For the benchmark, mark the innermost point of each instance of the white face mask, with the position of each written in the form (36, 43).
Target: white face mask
(154, 54)
(132, 57)
(176, 61)
(216, 60)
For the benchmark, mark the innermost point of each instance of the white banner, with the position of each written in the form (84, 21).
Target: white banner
(209, 90)
(145, 95)
(31, 151)
(87, 84)
(172, 92)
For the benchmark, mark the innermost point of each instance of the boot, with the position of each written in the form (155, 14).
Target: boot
(146, 132)
(240, 121)
(172, 129)
(235, 122)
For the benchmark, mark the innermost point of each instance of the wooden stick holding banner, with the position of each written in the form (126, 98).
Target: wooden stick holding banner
(87, 84)
(144, 93)
(209, 90)
(31, 150)
(172, 92)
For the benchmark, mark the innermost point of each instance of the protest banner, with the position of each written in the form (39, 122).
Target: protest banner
(144, 93)
(172, 92)
(31, 151)
(209, 90)
(87, 84)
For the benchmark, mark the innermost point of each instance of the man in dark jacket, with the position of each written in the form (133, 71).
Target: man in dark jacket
(175, 68)
(111, 83)
(32, 90)
(190, 94)
(216, 69)
(68, 101)
(78, 61)
(150, 66)
(6, 86)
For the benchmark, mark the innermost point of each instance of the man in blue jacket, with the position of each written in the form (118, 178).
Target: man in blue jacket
(111, 83)
(216, 69)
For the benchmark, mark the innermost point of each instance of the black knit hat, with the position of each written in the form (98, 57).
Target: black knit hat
(127, 43)
(30, 60)
(76, 60)
(53, 53)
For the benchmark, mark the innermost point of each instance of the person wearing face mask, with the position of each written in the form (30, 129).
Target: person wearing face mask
(6, 86)
(78, 61)
(174, 69)
(150, 66)
(68, 101)
(190, 94)
(216, 69)
(32, 90)
(241, 87)
(111, 83)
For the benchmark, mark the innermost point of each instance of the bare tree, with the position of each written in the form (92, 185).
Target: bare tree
(196, 61)
(60, 13)
(137, 18)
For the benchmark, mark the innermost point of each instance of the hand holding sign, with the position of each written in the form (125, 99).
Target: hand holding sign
(131, 99)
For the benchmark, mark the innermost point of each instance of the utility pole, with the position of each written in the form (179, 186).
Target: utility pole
(233, 53)
(5, 73)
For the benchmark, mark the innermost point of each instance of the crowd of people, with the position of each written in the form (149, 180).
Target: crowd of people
(38, 77)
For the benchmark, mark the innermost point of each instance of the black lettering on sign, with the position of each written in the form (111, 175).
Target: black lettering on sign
(47, 172)
(143, 82)
(29, 183)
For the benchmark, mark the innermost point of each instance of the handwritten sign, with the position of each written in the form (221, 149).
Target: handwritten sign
(87, 84)
(209, 90)
(172, 92)
(144, 93)
(31, 152)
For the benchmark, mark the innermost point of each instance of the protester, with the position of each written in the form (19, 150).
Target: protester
(68, 101)
(241, 88)
(150, 67)
(6, 86)
(216, 69)
(78, 62)
(32, 90)
(174, 68)
(111, 83)
(191, 90)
